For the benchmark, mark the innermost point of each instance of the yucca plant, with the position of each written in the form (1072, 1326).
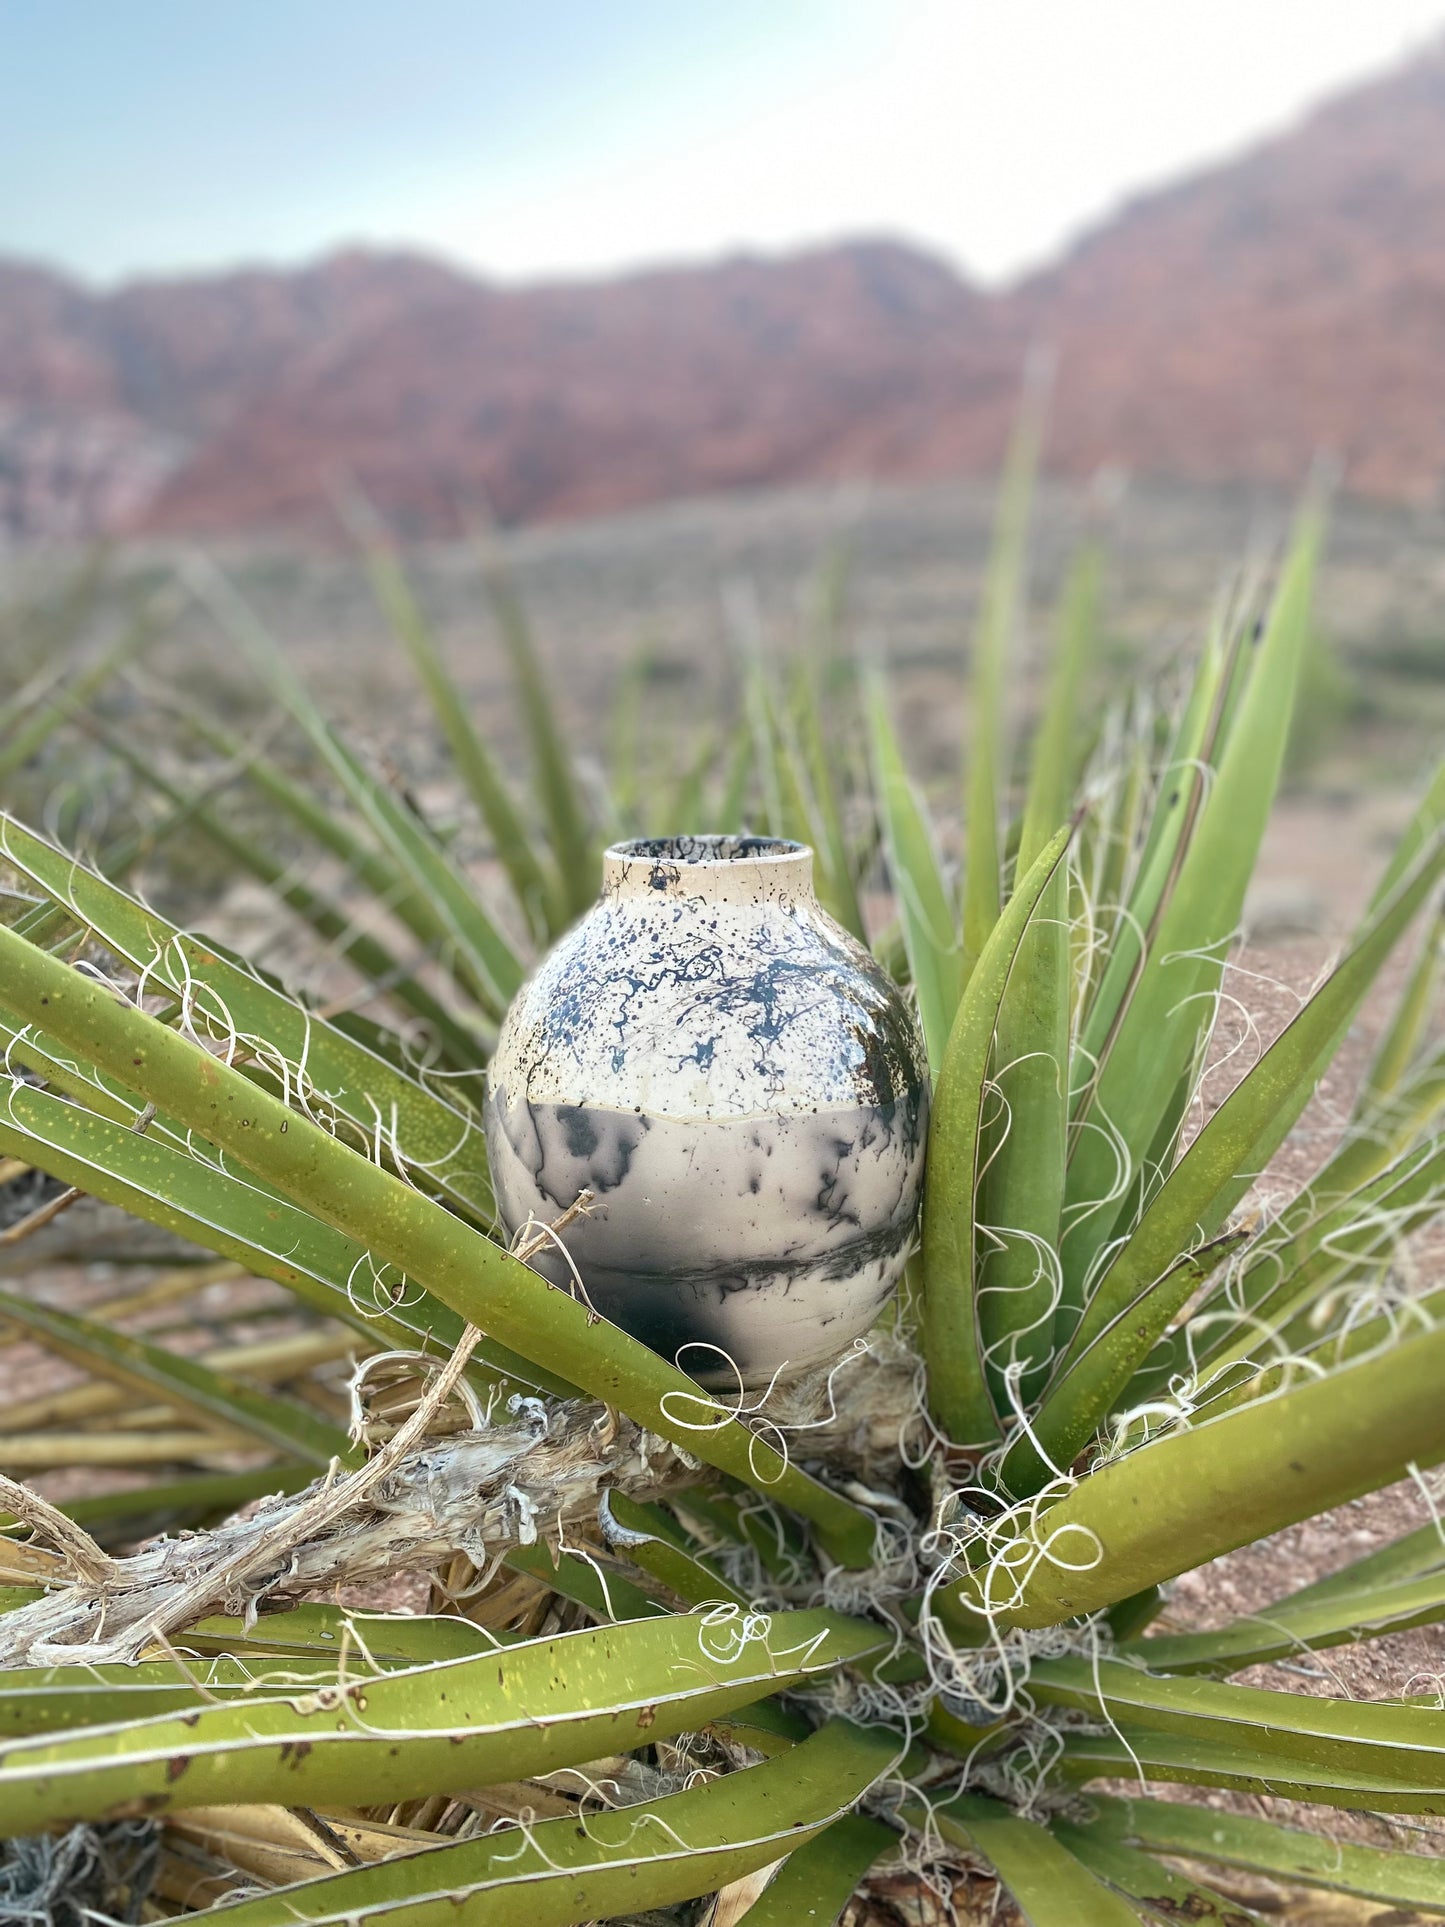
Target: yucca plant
(679, 1645)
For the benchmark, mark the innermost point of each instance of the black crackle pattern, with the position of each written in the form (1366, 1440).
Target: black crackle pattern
(741, 1088)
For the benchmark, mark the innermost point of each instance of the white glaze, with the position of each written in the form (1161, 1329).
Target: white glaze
(744, 1091)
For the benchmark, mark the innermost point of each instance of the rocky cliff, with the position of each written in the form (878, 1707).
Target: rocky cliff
(1288, 304)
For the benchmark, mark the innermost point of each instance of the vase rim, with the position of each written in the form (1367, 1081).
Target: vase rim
(709, 850)
(720, 868)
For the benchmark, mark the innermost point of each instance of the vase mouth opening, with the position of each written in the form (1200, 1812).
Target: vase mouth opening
(696, 852)
(712, 869)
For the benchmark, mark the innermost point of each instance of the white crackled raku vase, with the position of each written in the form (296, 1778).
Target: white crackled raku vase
(744, 1092)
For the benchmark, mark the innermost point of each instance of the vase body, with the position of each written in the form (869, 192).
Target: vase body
(744, 1092)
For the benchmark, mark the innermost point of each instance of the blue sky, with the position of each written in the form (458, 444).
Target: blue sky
(578, 136)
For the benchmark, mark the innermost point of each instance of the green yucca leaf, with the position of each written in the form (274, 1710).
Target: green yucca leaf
(159, 1177)
(1128, 1618)
(1247, 618)
(1369, 1596)
(529, 1709)
(1052, 1888)
(744, 1519)
(1409, 1557)
(1356, 1240)
(183, 1189)
(231, 1215)
(687, 812)
(563, 1872)
(889, 950)
(42, 1055)
(653, 1542)
(536, 887)
(1102, 1165)
(54, 622)
(480, 953)
(816, 1881)
(1379, 1136)
(1384, 1182)
(343, 1636)
(1022, 1157)
(392, 886)
(1263, 1846)
(1378, 1133)
(605, 1594)
(624, 737)
(797, 810)
(400, 1226)
(1181, 786)
(716, 1518)
(331, 923)
(477, 950)
(422, 1128)
(286, 1425)
(1104, 1372)
(1118, 787)
(1055, 757)
(757, 716)
(24, 739)
(822, 779)
(731, 804)
(925, 908)
(1145, 1285)
(1186, 1497)
(1152, 1045)
(1350, 1337)
(1166, 1894)
(805, 819)
(1285, 1629)
(1372, 1737)
(574, 847)
(1149, 1753)
(1424, 827)
(993, 643)
(958, 1388)
(1400, 1047)
(58, 1699)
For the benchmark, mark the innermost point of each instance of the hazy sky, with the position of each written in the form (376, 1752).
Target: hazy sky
(557, 136)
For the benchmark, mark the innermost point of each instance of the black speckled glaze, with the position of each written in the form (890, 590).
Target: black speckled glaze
(743, 1090)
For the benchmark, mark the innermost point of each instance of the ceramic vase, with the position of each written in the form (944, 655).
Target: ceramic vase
(743, 1091)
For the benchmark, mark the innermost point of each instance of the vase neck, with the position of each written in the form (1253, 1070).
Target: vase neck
(711, 869)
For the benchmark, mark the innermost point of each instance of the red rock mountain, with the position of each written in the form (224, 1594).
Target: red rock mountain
(1288, 303)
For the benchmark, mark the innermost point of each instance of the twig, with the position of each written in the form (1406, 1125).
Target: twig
(54, 1206)
(42, 1215)
(87, 1560)
(527, 1248)
(327, 1504)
